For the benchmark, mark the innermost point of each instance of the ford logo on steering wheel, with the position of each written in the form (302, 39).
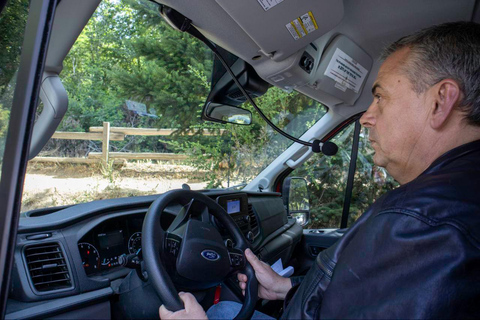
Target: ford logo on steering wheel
(210, 255)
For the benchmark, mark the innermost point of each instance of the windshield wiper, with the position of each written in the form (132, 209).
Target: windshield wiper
(241, 185)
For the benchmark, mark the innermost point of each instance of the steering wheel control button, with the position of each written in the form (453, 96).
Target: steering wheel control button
(236, 259)
(173, 246)
(210, 255)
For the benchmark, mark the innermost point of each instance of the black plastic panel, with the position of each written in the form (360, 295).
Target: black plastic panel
(282, 246)
(271, 213)
(313, 242)
(25, 310)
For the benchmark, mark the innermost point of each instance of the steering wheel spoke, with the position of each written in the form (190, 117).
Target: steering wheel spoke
(197, 209)
(190, 209)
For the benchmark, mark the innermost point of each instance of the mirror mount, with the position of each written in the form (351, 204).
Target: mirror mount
(225, 90)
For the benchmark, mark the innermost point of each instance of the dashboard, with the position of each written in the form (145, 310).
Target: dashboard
(72, 256)
(105, 246)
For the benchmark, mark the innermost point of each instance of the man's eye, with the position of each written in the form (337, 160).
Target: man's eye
(377, 96)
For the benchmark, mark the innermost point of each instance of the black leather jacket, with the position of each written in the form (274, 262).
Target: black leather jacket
(415, 253)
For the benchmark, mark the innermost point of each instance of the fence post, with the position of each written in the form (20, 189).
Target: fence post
(105, 143)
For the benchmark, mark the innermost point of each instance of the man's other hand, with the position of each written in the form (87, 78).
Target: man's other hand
(193, 310)
(271, 286)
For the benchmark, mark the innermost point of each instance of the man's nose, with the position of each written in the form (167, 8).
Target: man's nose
(368, 118)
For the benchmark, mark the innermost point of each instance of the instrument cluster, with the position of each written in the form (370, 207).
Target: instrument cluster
(101, 248)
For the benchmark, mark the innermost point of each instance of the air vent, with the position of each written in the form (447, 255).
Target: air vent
(47, 267)
(253, 219)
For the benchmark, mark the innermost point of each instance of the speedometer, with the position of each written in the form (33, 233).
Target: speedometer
(90, 257)
(135, 242)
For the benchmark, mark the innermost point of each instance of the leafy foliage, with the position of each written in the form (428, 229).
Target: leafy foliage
(12, 24)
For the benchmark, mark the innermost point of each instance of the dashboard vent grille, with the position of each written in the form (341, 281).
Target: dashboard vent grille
(253, 219)
(47, 267)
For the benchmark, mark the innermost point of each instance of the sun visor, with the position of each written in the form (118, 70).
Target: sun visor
(343, 70)
(295, 24)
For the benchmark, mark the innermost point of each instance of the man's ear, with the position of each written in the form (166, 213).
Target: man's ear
(446, 96)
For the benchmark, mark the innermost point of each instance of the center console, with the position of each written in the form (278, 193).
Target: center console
(237, 206)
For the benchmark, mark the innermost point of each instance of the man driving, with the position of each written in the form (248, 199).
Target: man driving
(415, 253)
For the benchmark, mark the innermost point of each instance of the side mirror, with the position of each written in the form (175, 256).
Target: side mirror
(226, 114)
(296, 199)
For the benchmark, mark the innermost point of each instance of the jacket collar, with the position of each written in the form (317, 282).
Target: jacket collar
(453, 154)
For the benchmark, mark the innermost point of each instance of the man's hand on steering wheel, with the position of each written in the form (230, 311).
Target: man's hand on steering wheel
(271, 286)
(193, 310)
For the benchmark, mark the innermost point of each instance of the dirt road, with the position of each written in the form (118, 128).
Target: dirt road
(59, 185)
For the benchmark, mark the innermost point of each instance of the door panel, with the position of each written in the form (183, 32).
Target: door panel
(315, 241)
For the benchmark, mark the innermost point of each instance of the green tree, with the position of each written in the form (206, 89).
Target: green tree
(12, 26)
(170, 75)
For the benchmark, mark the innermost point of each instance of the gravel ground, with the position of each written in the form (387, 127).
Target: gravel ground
(53, 185)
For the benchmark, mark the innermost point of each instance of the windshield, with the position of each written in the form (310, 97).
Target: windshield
(136, 89)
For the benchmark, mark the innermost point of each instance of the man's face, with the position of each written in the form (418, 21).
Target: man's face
(396, 118)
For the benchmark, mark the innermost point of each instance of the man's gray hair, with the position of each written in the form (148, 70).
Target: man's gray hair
(446, 51)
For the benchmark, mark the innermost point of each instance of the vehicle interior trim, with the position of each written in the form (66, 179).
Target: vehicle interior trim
(26, 310)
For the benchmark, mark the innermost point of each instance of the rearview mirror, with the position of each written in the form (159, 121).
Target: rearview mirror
(225, 96)
(226, 114)
(297, 200)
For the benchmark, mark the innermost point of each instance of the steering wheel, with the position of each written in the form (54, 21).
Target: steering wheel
(191, 252)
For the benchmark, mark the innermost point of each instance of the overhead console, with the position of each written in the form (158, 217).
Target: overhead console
(294, 23)
(294, 45)
(336, 69)
(342, 70)
(305, 51)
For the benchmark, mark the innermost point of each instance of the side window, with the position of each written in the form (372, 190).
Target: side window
(13, 19)
(327, 181)
(370, 180)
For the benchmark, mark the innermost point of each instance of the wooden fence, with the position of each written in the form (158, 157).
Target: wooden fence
(107, 134)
